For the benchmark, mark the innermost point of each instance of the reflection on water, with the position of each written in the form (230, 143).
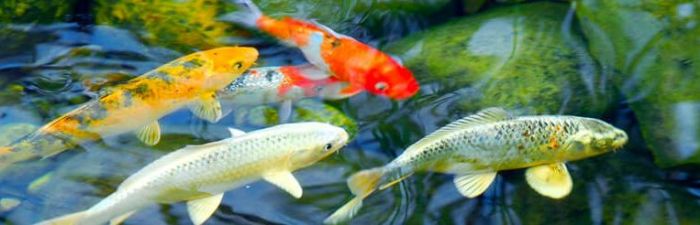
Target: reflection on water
(532, 58)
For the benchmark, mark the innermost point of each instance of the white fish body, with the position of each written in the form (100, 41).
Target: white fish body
(200, 174)
(476, 147)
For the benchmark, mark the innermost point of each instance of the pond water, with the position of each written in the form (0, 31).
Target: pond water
(633, 64)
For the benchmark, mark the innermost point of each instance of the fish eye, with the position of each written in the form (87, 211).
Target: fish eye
(238, 65)
(328, 147)
(381, 86)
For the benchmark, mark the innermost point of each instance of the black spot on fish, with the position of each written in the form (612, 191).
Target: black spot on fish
(160, 75)
(80, 118)
(126, 99)
(335, 43)
(142, 90)
(269, 75)
(192, 64)
(98, 111)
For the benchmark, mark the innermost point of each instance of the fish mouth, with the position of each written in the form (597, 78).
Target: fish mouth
(404, 91)
(619, 140)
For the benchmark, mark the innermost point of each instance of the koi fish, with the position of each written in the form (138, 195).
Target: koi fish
(201, 174)
(476, 147)
(281, 85)
(349, 60)
(278, 84)
(191, 80)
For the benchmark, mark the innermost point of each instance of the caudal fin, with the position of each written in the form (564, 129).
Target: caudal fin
(361, 185)
(69, 219)
(248, 13)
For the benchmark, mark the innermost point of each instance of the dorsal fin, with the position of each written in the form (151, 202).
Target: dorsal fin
(488, 115)
(169, 159)
(329, 30)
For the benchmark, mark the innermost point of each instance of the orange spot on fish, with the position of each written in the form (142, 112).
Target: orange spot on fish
(553, 142)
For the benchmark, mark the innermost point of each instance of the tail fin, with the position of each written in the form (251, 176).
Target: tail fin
(69, 219)
(247, 14)
(361, 184)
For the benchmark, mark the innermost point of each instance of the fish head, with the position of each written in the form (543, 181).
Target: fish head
(594, 138)
(322, 141)
(226, 64)
(391, 80)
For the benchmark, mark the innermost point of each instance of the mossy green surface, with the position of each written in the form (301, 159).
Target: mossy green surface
(308, 110)
(195, 24)
(181, 25)
(526, 57)
(652, 49)
(34, 11)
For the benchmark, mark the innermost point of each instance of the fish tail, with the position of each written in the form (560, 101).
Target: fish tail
(365, 182)
(362, 184)
(248, 13)
(69, 219)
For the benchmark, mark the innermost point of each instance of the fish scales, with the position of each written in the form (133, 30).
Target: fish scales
(199, 173)
(475, 148)
(137, 103)
(499, 144)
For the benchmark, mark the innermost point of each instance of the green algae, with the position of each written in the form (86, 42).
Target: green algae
(655, 66)
(524, 57)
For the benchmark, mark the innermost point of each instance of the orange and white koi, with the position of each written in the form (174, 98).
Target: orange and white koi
(349, 60)
(191, 80)
(279, 85)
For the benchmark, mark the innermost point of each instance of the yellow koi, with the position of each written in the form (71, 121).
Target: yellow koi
(191, 80)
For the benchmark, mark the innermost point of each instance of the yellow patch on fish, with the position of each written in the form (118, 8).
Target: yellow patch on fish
(139, 102)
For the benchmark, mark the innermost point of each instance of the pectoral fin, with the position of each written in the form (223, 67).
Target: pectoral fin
(472, 185)
(201, 209)
(351, 90)
(120, 219)
(312, 72)
(552, 180)
(312, 51)
(285, 111)
(333, 90)
(208, 108)
(235, 132)
(149, 134)
(286, 181)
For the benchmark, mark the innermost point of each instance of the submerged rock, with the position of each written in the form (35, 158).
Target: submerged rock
(526, 57)
(652, 49)
(23, 11)
(195, 24)
(303, 111)
(181, 25)
(388, 19)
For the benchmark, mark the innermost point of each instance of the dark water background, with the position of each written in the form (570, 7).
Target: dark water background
(532, 58)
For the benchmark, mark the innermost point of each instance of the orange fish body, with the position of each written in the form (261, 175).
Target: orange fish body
(362, 66)
(191, 80)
